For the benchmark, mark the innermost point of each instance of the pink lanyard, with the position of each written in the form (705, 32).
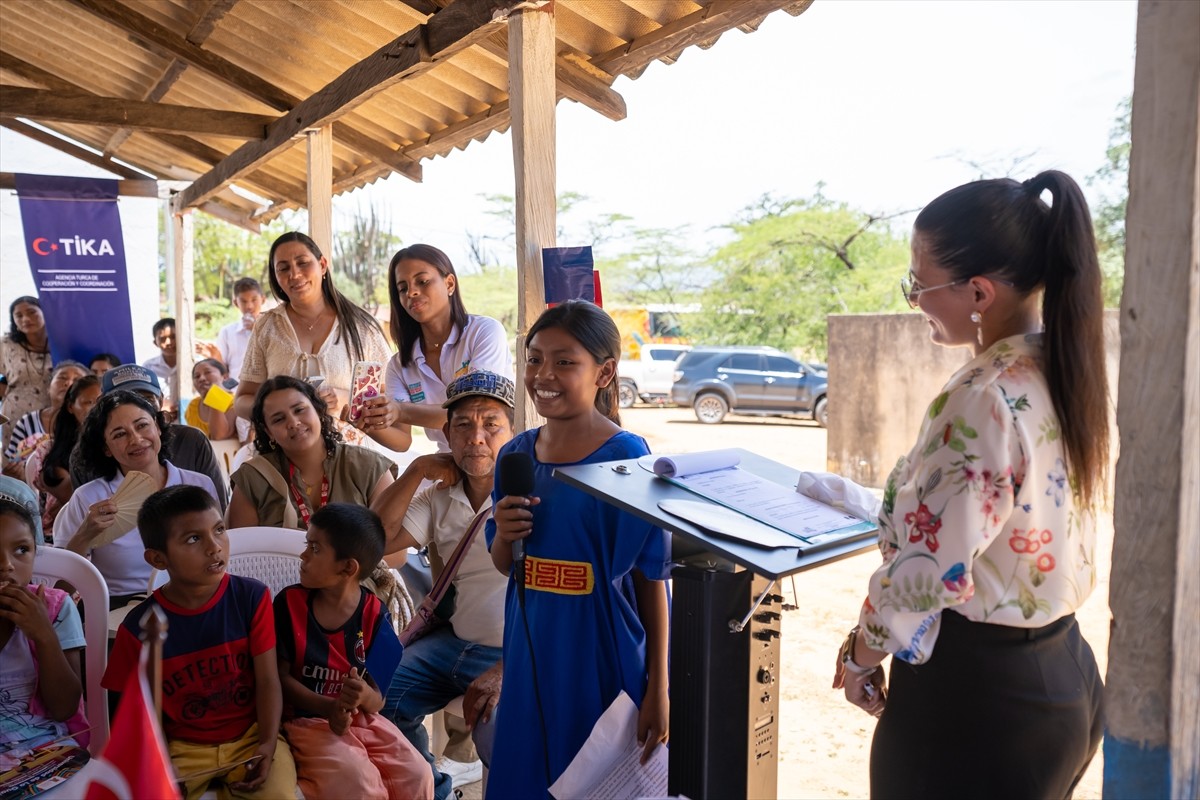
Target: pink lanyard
(301, 504)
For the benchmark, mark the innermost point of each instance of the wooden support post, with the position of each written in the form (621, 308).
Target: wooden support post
(320, 188)
(185, 305)
(1152, 743)
(532, 94)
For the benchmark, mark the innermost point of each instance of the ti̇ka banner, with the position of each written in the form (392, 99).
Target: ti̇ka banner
(77, 256)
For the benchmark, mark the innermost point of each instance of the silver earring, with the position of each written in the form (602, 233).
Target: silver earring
(977, 318)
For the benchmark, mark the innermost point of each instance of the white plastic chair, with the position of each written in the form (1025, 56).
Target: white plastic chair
(270, 555)
(52, 565)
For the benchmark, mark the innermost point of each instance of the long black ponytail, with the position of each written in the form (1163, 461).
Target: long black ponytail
(1004, 228)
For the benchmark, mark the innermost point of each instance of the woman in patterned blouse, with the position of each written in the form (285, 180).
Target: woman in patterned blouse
(987, 526)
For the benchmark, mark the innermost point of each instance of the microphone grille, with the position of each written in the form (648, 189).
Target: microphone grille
(514, 474)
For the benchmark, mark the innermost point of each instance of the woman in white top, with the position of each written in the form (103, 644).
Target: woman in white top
(122, 433)
(987, 526)
(314, 330)
(437, 341)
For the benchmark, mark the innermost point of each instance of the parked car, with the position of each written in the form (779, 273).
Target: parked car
(716, 381)
(649, 377)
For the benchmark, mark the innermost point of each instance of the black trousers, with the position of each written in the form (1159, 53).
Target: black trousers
(995, 712)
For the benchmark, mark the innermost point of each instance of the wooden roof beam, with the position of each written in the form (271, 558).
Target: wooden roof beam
(451, 30)
(84, 108)
(715, 17)
(157, 92)
(207, 21)
(160, 40)
(257, 181)
(73, 150)
(140, 186)
(205, 24)
(573, 81)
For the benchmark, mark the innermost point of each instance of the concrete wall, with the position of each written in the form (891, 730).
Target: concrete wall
(883, 373)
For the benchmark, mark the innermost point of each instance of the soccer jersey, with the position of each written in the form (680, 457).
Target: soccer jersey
(208, 660)
(320, 658)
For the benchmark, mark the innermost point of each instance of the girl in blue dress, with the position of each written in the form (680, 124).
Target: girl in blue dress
(595, 604)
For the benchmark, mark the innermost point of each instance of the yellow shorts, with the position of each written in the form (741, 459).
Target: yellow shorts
(208, 763)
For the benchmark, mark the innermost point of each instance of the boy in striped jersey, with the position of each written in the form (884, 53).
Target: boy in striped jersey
(326, 627)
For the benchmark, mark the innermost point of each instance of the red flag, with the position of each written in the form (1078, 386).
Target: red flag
(134, 763)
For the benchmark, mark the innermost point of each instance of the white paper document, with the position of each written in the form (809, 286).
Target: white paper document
(726, 522)
(779, 506)
(607, 768)
(694, 463)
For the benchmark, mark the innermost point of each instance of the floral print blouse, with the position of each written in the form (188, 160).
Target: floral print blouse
(979, 517)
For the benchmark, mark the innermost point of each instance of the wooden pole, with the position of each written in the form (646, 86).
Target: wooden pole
(1152, 745)
(532, 95)
(185, 306)
(154, 633)
(320, 188)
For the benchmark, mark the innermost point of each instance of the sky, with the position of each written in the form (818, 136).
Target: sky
(886, 103)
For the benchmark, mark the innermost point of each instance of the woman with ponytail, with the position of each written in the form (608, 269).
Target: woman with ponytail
(986, 526)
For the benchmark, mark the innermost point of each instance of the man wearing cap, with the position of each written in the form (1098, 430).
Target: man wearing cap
(462, 658)
(188, 449)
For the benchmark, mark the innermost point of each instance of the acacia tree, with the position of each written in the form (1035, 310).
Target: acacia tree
(791, 264)
(362, 251)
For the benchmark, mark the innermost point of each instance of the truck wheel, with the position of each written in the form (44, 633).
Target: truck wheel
(626, 394)
(821, 412)
(710, 408)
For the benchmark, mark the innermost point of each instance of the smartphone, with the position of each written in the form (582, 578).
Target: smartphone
(315, 380)
(367, 383)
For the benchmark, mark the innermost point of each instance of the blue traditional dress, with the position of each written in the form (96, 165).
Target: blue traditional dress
(588, 640)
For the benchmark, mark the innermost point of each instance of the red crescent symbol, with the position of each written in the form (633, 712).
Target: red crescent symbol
(37, 246)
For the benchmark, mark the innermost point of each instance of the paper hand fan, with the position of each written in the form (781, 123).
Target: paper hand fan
(129, 497)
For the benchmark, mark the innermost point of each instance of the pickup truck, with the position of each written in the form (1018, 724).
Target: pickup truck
(649, 377)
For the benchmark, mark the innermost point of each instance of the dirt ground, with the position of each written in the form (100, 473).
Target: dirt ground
(824, 741)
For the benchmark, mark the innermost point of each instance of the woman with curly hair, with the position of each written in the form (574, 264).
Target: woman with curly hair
(303, 463)
(123, 433)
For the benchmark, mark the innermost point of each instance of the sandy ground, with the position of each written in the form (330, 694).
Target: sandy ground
(824, 741)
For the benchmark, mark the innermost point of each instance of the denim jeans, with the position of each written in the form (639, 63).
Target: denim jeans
(433, 671)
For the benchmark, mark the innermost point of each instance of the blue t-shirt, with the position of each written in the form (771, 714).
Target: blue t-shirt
(588, 640)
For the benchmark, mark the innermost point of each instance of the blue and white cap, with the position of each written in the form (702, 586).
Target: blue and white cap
(481, 383)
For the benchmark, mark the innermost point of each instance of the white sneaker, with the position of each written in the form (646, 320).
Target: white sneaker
(460, 774)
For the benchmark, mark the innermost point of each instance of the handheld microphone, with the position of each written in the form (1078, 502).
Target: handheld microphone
(514, 476)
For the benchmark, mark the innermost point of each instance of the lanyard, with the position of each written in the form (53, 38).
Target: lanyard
(298, 496)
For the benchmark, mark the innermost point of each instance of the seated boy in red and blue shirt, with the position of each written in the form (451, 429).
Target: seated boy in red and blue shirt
(333, 636)
(222, 702)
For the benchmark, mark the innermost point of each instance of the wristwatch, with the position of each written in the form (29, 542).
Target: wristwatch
(846, 654)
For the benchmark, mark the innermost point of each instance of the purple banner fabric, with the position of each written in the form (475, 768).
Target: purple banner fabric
(77, 257)
(567, 272)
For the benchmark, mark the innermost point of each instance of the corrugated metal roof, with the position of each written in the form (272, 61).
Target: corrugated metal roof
(265, 57)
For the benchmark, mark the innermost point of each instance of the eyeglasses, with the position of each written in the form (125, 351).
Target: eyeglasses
(912, 290)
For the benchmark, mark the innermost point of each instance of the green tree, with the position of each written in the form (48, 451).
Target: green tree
(657, 266)
(1112, 179)
(791, 264)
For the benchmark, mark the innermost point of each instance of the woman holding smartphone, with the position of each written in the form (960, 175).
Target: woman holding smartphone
(437, 341)
(314, 331)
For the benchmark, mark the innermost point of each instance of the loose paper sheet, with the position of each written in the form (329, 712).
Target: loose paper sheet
(607, 768)
(728, 523)
(779, 506)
